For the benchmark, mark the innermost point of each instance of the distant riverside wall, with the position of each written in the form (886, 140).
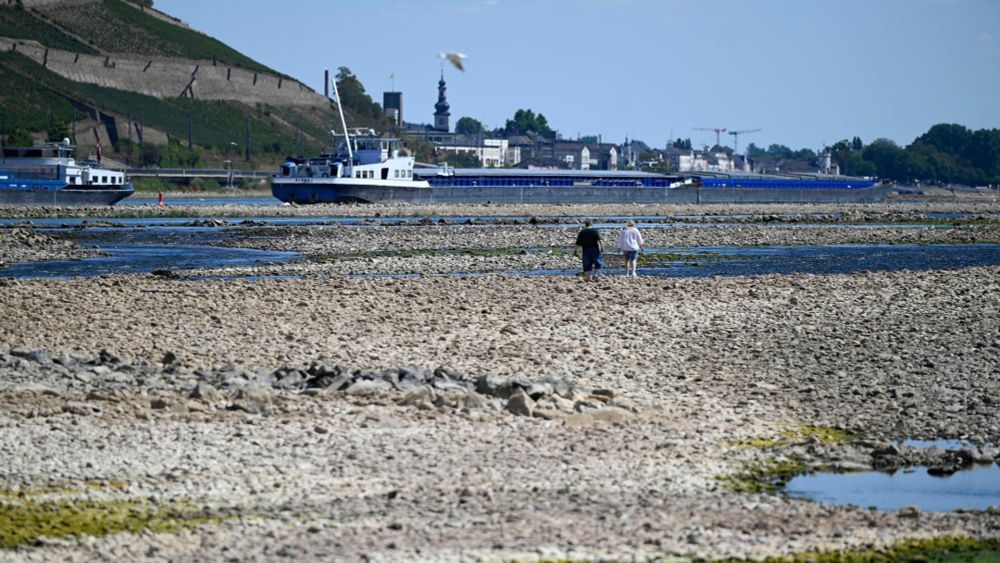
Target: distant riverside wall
(169, 77)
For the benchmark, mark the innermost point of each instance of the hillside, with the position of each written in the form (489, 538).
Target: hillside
(73, 67)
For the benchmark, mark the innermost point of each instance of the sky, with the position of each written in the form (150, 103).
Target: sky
(808, 73)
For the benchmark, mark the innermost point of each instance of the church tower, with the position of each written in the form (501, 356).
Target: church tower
(441, 113)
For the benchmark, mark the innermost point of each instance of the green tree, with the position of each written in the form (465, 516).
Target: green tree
(854, 164)
(890, 160)
(804, 154)
(685, 144)
(949, 138)
(20, 138)
(353, 96)
(58, 132)
(525, 121)
(589, 139)
(856, 144)
(468, 126)
(984, 153)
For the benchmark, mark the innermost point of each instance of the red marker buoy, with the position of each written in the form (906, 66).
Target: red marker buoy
(161, 199)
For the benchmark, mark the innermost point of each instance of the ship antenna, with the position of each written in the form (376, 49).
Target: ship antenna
(336, 95)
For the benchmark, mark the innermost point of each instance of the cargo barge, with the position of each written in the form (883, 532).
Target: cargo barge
(375, 173)
(50, 175)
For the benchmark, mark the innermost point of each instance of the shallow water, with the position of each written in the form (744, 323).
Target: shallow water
(128, 258)
(174, 243)
(977, 488)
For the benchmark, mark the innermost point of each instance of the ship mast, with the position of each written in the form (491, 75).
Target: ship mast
(336, 94)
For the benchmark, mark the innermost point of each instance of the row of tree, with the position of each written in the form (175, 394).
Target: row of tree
(524, 121)
(945, 154)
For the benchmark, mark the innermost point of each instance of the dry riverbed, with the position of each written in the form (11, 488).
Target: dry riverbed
(492, 417)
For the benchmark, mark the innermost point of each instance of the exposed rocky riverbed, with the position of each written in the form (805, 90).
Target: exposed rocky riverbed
(494, 417)
(488, 417)
(25, 244)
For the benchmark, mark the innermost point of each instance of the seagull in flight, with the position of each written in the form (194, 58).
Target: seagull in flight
(455, 59)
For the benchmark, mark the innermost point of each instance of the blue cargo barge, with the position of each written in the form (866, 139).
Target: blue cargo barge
(50, 175)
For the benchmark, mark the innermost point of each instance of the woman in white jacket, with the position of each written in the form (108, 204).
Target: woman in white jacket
(630, 241)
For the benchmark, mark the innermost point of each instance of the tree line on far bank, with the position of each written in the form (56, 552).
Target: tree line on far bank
(947, 153)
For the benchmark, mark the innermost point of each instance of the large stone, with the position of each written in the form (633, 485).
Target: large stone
(328, 381)
(37, 356)
(369, 387)
(520, 403)
(205, 392)
(540, 389)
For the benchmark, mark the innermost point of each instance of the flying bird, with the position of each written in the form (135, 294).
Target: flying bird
(455, 58)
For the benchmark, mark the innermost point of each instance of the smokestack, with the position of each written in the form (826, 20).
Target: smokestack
(326, 82)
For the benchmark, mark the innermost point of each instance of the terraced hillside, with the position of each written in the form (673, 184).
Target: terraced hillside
(78, 67)
(115, 26)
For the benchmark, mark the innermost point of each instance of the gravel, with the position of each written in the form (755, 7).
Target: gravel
(496, 417)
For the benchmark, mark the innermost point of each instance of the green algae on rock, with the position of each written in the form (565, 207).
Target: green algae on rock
(945, 549)
(25, 520)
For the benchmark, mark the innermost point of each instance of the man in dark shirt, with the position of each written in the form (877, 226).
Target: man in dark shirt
(589, 242)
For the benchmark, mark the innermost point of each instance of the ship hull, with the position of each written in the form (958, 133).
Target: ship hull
(344, 193)
(64, 197)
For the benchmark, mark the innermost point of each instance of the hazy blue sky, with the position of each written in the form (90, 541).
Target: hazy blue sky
(807, 72)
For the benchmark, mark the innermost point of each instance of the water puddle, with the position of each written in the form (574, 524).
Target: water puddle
(974, 488)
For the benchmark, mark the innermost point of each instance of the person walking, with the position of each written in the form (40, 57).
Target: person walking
(630, 241)
(590, 245)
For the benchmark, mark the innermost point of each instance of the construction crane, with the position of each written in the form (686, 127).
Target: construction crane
(717, 130)
(736, 138)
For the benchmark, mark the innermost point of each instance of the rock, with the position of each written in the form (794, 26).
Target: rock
(158, 404)
(254, 391)
(37, 356)
(494, 386)
(248, 406)
(369, 387)
(168, 358)
(293, 379)
(422, 394)
(608, 393)
(908, 511)
(328, 381)
(204, 392)
(520, 403)
(548, 414)
(540, 389)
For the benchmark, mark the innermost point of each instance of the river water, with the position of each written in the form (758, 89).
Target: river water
(145, 245)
